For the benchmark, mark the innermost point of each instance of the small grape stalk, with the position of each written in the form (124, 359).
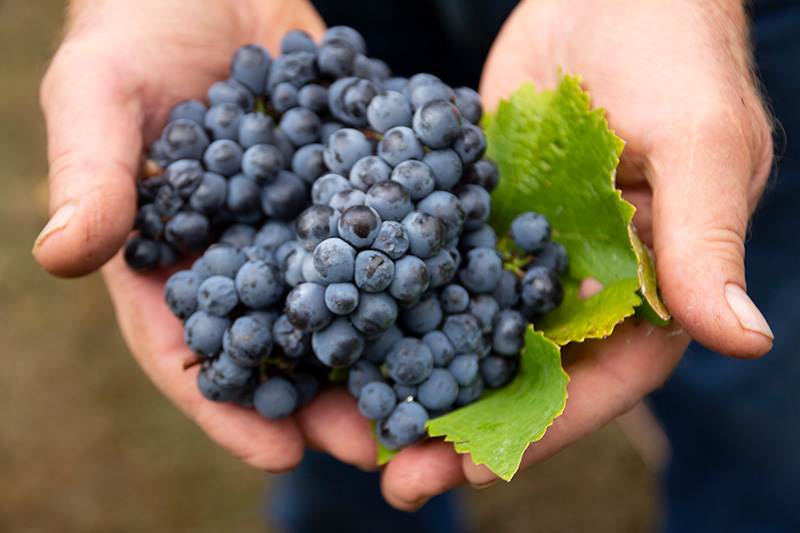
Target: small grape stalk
(338, 220)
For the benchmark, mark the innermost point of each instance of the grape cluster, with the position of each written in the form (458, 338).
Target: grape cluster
(348, 211)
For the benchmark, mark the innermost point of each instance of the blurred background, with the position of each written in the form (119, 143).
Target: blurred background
(88, 444)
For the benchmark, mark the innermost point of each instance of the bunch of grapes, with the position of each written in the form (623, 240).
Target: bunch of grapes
(348, 214)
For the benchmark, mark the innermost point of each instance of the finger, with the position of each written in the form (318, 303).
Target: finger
(156, 340)
(94, 145)
(607, 378)
(333, 424)
(419, 473)
(703, 194)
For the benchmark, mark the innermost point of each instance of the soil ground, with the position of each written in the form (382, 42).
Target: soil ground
(89, 445)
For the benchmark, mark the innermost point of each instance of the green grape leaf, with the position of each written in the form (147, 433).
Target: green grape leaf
(557, 156)
(593, 318)
(497, 429)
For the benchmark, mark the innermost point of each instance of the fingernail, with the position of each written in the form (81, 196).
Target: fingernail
(58, 221)
(485, 484)
(746, 311)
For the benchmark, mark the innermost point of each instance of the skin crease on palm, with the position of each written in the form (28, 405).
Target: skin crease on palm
(673, 77)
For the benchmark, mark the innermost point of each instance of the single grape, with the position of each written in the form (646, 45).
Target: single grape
(464, 331)
(447, 167)
(554, 256)
(468, 102)
(336, 58)
(308, 163)
(297, 41)
(390, 200)
(508, 336)
(497, 371)
(531, 231)
(284, 96)
(388, 110)
(296, 68)
(193, 110)
(375, 313)
(315, 224)
(410, 361)
(377, 346)
(305, 307)
(466, 369)
(259, 284)
(411, 278)
(210, 194)
(185, 175)
(442, 267)
(448, 209)
(273, 234)
(203, 333)
(483, 173)
(486, 309)
(399, 144)
(404, 427)
(477, 205)
(343, 148)
(373, 271)
(541, 290)
(223, 259)
(423, 316)
(339, 345)
(481, 270)
(232, 92)
(359, 225)
(284, 198)
(439, 391)
(341, 298)
(346, 34)
(301, 125)
(243, 199)
(313, 97)
(392, 239)
(180, 293)
(187, 232)
(149, 221)
(248, 342)
(293, 342)
(276, 398)
(262, 163)
(377, 400)
(368, 171)
(416, 177)
(360, 374)
(326, 186)
(222, 120)
(507, 291)
(184, 139)
(255, 128)
(454, 299)
(425, 234)
(437, 123)
(249, 66)
(470, 145)
(334, 260)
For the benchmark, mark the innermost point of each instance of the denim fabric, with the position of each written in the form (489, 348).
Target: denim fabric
(735, 425)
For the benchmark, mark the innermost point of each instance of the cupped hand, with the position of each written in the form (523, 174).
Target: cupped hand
(676, 82)
(107, 93)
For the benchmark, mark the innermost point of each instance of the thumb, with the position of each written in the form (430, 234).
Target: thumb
(94, 143)
(703, 194)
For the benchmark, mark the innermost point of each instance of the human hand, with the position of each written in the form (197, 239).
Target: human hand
(676, 82)
(106, 95)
